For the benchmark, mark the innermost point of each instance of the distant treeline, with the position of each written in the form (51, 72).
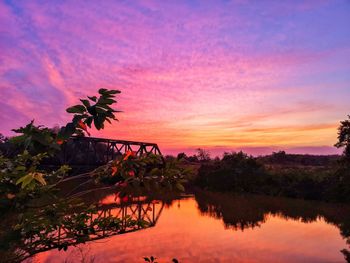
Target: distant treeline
(283, 158)
(276, 158)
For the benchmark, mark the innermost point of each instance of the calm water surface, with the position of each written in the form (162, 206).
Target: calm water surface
(211, 227)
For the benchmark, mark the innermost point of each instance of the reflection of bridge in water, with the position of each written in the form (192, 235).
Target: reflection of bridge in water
(147, 212)
(108, 220)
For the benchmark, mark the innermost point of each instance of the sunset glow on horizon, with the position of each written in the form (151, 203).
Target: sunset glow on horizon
(221, 75)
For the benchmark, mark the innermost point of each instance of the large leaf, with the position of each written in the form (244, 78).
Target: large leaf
(25, 180)
(105, 106)
(76, 109)
(103, 100)
(98, 121)
(102, 91)
(113, 91)
(86, 103)
(40, 178)
(100, 110)
(88, 121)
(93, 98)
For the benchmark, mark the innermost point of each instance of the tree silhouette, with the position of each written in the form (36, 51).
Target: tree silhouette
(344, 137)
(203, 155)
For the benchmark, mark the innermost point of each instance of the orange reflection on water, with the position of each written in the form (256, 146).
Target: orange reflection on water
(191, 236)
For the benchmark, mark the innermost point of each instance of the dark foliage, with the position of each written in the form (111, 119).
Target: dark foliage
(344, 137)
(235, 172)
(238, 172)
(191, 159)
(283, 158)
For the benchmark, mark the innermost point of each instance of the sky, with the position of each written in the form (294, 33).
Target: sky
(257, 76)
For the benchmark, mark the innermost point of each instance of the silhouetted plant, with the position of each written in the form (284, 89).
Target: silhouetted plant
(203, 155)
(181, 156)
(37, 139)
(344, 137)
(341, 183)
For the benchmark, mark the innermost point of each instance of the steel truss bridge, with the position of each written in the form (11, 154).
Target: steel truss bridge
(92, 152)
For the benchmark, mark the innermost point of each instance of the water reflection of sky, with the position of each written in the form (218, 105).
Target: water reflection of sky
(193, 236)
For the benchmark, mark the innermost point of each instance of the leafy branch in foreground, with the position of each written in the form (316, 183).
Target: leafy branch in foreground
(21, 180)
(38, 139)
(94, 110)
(131, 174)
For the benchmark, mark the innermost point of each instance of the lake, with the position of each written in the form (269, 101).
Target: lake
(216, 227)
